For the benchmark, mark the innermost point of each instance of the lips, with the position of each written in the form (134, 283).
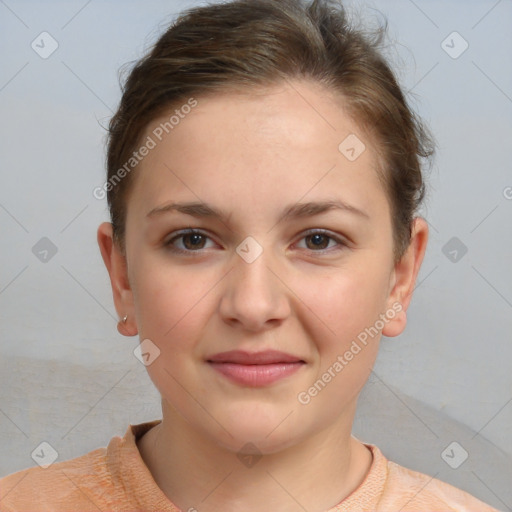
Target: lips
(255, 369)
(248, 358)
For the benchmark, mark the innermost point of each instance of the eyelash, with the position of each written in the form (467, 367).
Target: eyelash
(169, 243)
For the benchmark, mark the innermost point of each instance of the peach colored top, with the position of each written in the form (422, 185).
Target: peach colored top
(115, 478)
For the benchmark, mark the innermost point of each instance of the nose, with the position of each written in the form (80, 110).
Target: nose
(254, 295)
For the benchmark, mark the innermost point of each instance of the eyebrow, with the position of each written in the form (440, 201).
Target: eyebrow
(294, 211)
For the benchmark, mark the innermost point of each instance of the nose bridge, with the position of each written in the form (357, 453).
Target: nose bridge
(253, 269)
(253, 294)
(252, 274)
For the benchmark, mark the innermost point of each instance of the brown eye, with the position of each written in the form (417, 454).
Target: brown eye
(318, 241)
(193, 241)
(187, 242)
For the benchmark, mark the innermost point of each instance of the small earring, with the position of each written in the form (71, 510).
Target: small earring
(125, 317)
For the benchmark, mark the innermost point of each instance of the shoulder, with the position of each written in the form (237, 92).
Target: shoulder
(412, 491)
(73, 484)
(112, 478)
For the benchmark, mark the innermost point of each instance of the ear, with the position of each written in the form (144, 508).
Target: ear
(115, 261)
(403, 278)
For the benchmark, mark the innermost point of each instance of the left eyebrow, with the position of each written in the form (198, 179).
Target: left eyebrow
(298, 210)
(316, 208)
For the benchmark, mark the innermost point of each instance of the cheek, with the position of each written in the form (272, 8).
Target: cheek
(168, 300)
(172, 303)
(342, 304)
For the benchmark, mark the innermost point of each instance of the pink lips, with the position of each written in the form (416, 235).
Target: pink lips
(257, 368)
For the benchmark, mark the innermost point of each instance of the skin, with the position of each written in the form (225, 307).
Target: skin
(251, 155)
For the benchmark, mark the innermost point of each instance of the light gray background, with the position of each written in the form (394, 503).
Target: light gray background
(67, 376)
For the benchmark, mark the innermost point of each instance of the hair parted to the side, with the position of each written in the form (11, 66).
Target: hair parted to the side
(251, 43)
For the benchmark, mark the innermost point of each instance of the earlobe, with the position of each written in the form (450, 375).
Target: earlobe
(127, 328)
(405, 275)
(115, 262)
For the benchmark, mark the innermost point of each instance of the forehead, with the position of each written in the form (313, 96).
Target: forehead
(257, 148)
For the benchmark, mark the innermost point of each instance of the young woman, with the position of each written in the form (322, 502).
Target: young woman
(264, 176)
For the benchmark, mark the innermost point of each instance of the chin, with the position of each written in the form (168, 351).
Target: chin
(269, 430)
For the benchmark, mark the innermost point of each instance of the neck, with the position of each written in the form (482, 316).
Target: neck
(196, 473)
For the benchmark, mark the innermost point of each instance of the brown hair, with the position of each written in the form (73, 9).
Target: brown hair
(247, 43)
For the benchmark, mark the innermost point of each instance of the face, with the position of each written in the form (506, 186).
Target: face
(272, 291)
